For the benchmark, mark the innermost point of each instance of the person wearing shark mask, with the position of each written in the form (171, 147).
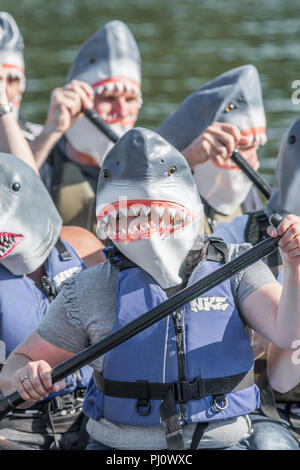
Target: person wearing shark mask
(224, 114)
(284, 199)
(12, 61)
(106, 76)
(149, 207)
(37, 255)
(253, 228)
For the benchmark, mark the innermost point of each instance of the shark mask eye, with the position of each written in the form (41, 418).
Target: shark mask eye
(229, 107)
(106, 174)
(172, 170)
(16, 186)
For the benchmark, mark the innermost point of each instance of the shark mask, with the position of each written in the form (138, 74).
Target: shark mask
(29, 222)
(107, 59)
(234, 97)
(148, 205)
(11, 54)
(285, 196)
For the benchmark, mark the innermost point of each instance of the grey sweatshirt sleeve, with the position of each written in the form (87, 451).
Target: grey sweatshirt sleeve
(62, 325)
(247, 281)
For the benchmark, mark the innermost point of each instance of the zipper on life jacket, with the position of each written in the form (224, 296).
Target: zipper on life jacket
(178, 322)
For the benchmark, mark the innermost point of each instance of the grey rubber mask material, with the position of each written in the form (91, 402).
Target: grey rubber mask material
(29, 222)
(144, 171)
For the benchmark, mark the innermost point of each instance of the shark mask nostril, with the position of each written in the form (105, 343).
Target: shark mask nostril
(16, 186)
(138, 140)
(292, 139)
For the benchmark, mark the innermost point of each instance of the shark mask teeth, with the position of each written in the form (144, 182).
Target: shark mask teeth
(256, 135)
(114, 118)
(8, 241)
(140, 219)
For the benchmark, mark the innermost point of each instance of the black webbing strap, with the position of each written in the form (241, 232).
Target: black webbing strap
(256, 231)
(46, 284)
(267, 397)
(171, 423)
(182, 391)
(172, 393)
(197, 436)
(62, 250)
(256, 228)
(217, 250)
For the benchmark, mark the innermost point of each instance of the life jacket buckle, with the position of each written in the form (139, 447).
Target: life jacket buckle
(220, 403)
(184, 390)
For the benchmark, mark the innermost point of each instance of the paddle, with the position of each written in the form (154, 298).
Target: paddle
(253, 175)
(264, 248)
(238, 159)
(100, 124)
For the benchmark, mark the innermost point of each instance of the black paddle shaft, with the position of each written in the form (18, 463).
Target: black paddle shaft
(238, 159)
(154, 315)
(100, 124)
(253, 175)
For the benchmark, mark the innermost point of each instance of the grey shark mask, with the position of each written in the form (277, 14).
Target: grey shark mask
(111, 56)
(11, 48)
(110, 52)
(29, 222)
(148, 204)
(285, 197)
(234, 97)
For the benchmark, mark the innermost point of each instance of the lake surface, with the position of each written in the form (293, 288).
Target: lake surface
(183, 44)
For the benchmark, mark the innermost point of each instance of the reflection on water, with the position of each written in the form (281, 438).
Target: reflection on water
(183, 44)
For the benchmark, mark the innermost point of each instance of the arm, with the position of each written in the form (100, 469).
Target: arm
(283, 367)
(272, 311)
(34, 359)
(217, 142)
(64, 110)
(85, 243)
(11, 137)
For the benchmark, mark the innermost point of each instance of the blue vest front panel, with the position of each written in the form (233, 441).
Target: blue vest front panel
(23, 306)
(215, 342)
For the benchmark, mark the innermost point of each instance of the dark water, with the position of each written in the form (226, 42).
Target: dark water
(183, 44)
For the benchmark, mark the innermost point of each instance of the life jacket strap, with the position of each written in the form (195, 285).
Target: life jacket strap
(173, 393)
(256, 231)
(46, 284)
(171, 422)
(197, 436)
(256, 228)
(217, 250)
(182, 391)
(62, 250)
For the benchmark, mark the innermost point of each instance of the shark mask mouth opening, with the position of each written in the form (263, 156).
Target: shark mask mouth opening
(8, 241)
(127, 221)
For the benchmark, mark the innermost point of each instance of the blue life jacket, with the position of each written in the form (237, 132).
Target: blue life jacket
(23, 303)
(200, 357)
